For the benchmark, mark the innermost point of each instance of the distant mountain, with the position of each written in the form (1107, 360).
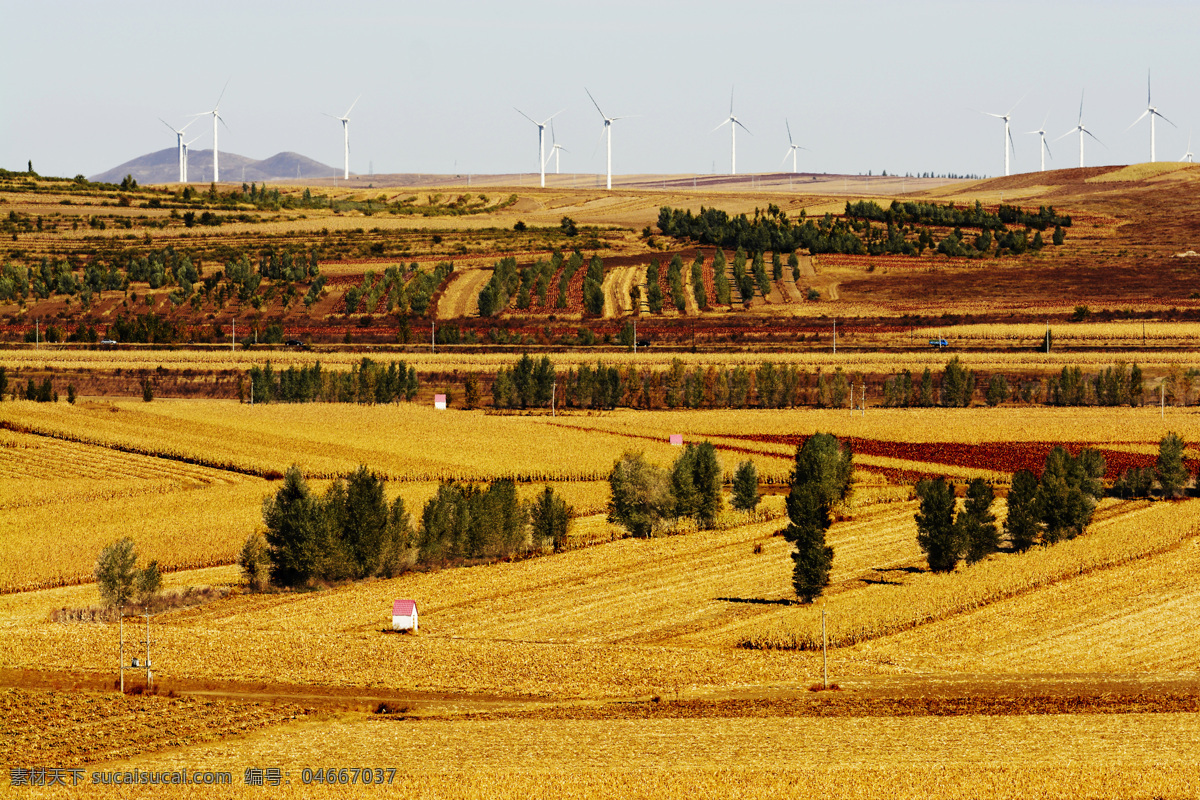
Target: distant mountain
(163, 167)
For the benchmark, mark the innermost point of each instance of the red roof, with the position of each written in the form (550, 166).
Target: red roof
(404, 608)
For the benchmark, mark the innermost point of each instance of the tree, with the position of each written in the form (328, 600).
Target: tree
(640, 494)
(820, 480)
(1172, 475)
(116, 572)
(997, 391)
(937, 534)
(149, 581)
(255, 562)
(550, 519)
(745, 487)
(977, 524)
(1021, 523)
(696, 484)
(295, 532)
(958, 384)
(1068, 492)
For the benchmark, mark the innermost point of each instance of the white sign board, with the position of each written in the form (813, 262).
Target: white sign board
(439, 401)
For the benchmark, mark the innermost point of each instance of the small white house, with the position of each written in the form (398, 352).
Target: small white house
(404, 615)
(677, 439)
(439, 402)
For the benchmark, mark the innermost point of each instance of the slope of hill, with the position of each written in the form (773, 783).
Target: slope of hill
(163, 167)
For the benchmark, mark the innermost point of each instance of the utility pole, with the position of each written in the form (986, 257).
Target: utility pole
(835, 337)
(37, 333)
(635, 332)
(433, 335)
(554, 396)
(233, 340)
(824, 649)
(121, 668)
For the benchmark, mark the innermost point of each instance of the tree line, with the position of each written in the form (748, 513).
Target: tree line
(367, 382)
(352, 532)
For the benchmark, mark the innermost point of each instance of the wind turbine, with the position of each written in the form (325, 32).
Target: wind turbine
(555, 149)
(1045, 148)
(1082, 129)
(608, 121)
(1152, 112)
(216, 116)
(733, 123)
(184, 151)
(345, 120)
(179, 146)
(1188, 155)
(541, 126)
(1008, 140)
(792, 146)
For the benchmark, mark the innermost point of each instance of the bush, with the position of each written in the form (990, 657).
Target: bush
(254, 559)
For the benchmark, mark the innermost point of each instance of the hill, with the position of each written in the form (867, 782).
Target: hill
(163, 167)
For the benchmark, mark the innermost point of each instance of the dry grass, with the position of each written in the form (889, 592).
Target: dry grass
(899, 602)
(1053, 756)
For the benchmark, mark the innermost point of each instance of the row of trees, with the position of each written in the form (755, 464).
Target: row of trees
(366, 382)
(352, 532)
(643, 496)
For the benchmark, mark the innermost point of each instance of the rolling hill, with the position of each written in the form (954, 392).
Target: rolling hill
(163, 167)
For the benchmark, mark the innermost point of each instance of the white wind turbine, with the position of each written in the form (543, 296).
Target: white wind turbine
(608, 121)
(792, 146)
(1082, 129)
(733, 123)
(1008, 140)
(1152, 112)
(216, 116)
(1045, 148)
(345, 120)
(541, 126)
(555, 149)
(1188, 155)
(178, 145)
(184, 151)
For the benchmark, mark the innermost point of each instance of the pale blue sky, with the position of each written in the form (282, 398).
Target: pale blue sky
(865, 85)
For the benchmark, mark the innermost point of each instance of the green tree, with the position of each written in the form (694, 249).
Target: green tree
(997, 390)
(255, 561)
(937, 534)
(116, 572)
(958, 385)
(640, 494)
(745, 487)
(977, 524)
(550, 519)
(820, 480)
(1067, 493)
(1172, 475)
(1022, 523)
(295, 531)
(149, 581)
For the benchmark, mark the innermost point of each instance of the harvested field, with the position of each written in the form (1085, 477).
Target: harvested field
(460, 298)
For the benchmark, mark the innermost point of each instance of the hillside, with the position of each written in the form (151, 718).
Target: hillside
(163, 167)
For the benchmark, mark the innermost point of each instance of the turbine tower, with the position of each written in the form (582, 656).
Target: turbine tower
(345, 120)
(1081, 129)
(608, 121)
(555, 148)
(541, 126)
(184, 150)
(179, 146)
(1008, 140)
(216, 116)
(1152, 112)
(792, 146)
(1045, 148)
(733, 123)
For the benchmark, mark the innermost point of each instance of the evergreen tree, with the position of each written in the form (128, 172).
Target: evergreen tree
(820, 480)
(745, 487)
(295, 531)
(1021, 523)
(977, 524)
(1172, 475)
(640, 494)
(550, 518)
(937, 534)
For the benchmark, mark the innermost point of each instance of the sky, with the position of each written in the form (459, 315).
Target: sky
(865, 86)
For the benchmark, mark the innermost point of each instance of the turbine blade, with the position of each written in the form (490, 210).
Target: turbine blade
(789, 130)
(1068, 133)
(1139, 119)
(731, 101)
(526, 116)
(552, 116)
(172, 127)
(553, 141)
(1164, 119)
(223, 122)
(1017, 103)
(1089, 133)
(1011, 144)
(1045, 145)
(743, 127)
(352, 105)
(222, 95)
(1147, 87)
(1081, 107)
(597, 105)
(785, 155)
(722, 125)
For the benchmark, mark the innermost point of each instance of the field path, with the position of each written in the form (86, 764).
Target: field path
(461, 296)
(617, 284)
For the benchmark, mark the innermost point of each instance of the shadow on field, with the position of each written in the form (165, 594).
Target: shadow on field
(757, 601)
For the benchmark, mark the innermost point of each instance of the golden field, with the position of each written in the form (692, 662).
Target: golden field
(531, 678)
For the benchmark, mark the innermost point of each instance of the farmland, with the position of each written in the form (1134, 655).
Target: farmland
(680, 663)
